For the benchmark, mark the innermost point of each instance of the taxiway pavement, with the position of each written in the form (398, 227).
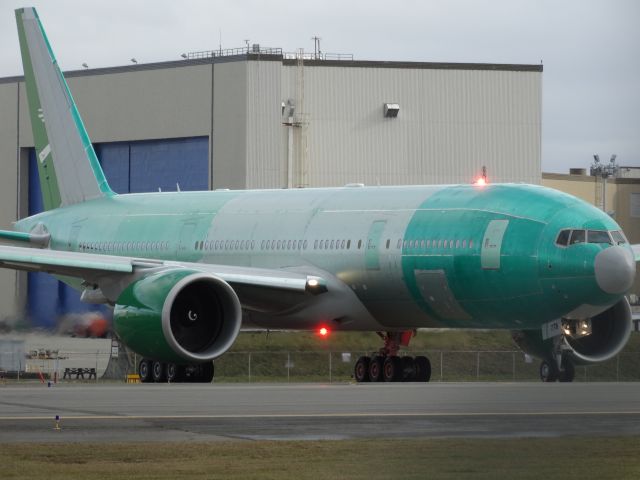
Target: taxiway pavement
(192, 412)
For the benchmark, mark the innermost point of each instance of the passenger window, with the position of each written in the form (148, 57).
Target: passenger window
(598, 236)
(359, 244)
(563, 238)
(577, 236)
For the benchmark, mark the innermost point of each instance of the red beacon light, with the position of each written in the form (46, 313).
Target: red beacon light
(323, 332)
(481, 181)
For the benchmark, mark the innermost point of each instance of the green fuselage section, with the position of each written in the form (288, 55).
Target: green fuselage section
(418, 256)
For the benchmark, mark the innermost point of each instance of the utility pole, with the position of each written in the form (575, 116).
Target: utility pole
(602, 172)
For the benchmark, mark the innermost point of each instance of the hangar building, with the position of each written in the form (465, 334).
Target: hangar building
(258, 118)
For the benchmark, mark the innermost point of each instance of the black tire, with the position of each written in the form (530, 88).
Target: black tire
(392, 369)
(568, 372)
(548, 371)
(205, 374)
(375, 369)
(159, 372)
(408, 369)
(144, 370)
(423, 369)
(174, 373)
(361, 369)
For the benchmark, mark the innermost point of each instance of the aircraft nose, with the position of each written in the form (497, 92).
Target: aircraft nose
(615, 270)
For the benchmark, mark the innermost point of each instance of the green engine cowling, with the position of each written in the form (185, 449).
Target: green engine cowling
(610, 331)
(178, 315)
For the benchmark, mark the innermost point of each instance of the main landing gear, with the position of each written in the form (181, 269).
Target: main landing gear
(387, 366)
(155, 371)
(549, 371)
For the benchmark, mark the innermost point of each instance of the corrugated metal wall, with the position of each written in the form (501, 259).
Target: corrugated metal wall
(451, 123)
(265, 153)
(130, 167)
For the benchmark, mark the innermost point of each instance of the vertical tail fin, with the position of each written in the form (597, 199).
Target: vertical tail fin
(67, 164)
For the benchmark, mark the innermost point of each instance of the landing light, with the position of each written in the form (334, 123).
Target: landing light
(323, 332)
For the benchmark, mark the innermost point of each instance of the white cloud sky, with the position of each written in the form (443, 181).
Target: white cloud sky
(590, 48)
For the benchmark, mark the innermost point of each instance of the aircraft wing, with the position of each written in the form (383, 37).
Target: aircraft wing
(112, 274)
(636, 252)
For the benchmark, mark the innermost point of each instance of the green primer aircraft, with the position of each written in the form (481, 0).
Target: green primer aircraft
(185, 271)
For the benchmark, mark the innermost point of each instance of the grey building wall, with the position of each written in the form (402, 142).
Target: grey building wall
(453, 120)
(451, 123)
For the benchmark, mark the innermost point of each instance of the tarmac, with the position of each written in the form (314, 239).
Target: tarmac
(196, 412)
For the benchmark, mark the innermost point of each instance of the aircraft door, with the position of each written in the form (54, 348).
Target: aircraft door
(185, 249)
(372, 251)
(492, 244)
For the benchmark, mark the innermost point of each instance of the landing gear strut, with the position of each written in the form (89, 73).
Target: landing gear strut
(387, 366)
(156, 371)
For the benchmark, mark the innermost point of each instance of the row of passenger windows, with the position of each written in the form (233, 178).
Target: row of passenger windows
(290, 245)
(568, 237)
(124, 246)
(326, 244)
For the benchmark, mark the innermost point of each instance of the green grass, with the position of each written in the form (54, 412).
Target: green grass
(567, 458)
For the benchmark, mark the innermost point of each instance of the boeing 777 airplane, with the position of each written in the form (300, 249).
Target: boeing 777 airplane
(185, 271)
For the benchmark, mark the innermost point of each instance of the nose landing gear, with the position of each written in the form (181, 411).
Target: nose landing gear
(387, 366)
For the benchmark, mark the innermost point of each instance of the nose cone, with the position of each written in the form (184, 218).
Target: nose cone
(615, 270)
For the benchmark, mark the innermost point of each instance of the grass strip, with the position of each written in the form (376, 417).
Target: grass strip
(523, 458)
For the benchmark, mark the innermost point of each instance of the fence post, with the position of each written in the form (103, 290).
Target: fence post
(477, 366)
(288, 366)
(618, 368)
(441, 363)
(97, 352)
(513, 357)
(249, 367)
(329, 367)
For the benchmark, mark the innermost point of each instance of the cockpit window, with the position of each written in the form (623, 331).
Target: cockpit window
(618, 237)
(577, 236)
(598, 236)
(563, 238)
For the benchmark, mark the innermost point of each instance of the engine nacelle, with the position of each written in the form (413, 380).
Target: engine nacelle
(180, 316)
(608, 333)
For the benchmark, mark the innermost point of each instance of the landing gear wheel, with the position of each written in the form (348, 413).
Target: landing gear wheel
(174, 373)
(568, 372)
(392, 369)
(158, 372)
(423, 369)
(408, 369)
(375, 368)
(361, 370)
(548, 371)
(144, 370)
(205, 373)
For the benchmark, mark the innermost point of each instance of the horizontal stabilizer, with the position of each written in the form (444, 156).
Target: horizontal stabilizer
(37, 239)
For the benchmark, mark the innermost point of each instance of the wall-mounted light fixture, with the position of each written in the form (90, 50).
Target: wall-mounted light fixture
(391, 110)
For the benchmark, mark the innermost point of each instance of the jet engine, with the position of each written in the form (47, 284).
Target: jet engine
(179, 316)
(584, 341)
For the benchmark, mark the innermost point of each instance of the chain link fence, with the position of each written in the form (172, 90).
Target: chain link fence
(325, 366)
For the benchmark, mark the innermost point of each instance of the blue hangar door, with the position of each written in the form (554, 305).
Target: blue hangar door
(130, 167)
